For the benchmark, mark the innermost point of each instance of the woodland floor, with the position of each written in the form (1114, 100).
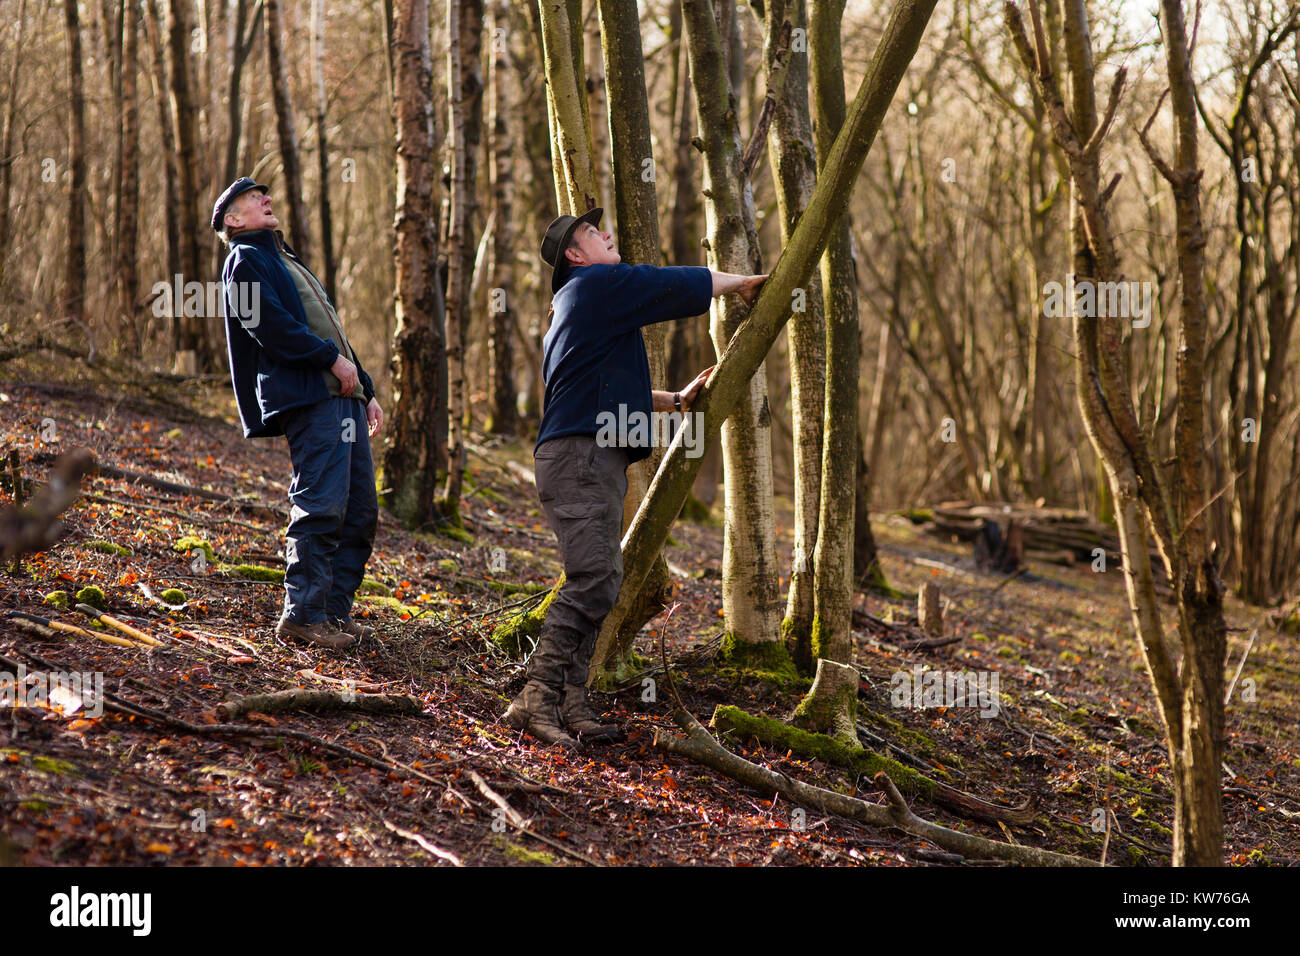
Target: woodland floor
(1077, 729)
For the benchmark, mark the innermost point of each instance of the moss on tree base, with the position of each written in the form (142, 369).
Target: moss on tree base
(517, 634)
(781, 736)
(767, 660)
(620, 669)
(831, 706)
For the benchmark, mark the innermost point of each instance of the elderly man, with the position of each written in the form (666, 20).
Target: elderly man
(295, 374)
(595, 368)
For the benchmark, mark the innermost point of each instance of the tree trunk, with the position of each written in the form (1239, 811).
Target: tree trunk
(794, 173)
(1198, 804)
(750, 593)
(465, 101)
(322, 147)
(575, 185)
(128, 225)
(171, 175)
(195, 350)
(7, 135)
(745, 352)
(637, 214)
(286, 130)
(502, 417)
(832, 636)
(1190, 697)
(74, 283)
(419, 413)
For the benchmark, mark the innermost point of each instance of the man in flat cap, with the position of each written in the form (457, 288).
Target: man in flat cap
(295, 374)
(596, 371)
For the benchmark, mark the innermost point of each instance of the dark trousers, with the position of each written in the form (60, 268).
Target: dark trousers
(334, 509)
(581, 486)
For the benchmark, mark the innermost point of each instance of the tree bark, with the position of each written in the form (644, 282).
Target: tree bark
(74, 283)
(195, 352)
(833, 560)
(465, 86)
(128, 225)
(575, 184)
(793, 160)
(419, 413)
(171, 174)
(328, 263)
(286, 130)
(750, 594)
(7, 135)
(637, 215)
(503, 416)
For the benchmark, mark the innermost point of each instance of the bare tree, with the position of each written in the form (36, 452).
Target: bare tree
(465, 99)
(328, 264)
(1171, 509)
(74, 284)
(418, 420)
(502, 417)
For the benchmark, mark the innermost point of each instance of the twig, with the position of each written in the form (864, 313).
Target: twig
(423, 844)
(515, 820)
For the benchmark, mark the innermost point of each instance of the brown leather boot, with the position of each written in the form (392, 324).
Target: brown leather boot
(575, 708)
(581, 718)
(537, 708)
(537, 711)
(322, 632)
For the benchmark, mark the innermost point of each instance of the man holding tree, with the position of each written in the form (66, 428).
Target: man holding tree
(595, 366)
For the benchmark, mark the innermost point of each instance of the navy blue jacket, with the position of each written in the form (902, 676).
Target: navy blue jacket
(276, 361)
(593, 356)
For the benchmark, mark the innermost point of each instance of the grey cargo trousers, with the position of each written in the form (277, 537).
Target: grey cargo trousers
(581, 486)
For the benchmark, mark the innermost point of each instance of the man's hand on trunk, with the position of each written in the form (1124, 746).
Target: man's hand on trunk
(667, 401)
(747, 287)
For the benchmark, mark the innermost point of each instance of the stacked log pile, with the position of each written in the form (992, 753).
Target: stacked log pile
(1054, 535)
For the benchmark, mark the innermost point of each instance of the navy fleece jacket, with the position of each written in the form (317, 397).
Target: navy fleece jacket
(275, 359)
(593, 356)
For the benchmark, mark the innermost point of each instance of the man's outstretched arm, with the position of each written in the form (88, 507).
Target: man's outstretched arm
(745, 286)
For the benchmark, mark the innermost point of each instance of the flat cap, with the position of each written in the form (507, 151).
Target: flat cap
(240, 186)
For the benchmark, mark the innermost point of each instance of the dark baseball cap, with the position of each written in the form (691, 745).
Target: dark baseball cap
(556, 240)
(240, 186)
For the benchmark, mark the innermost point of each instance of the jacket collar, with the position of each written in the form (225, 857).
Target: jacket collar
(271, 239)
(266, 238)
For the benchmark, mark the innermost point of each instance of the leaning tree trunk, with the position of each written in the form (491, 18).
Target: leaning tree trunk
(745, 352)
(286, 130)
(637, 214)
(502, 416)
(415, 443)
(750, 593)
(74, 283)
(794, 173)
(833, 559)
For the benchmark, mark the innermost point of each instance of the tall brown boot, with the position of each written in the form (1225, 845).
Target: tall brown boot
(575, 708)
(537, 708)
